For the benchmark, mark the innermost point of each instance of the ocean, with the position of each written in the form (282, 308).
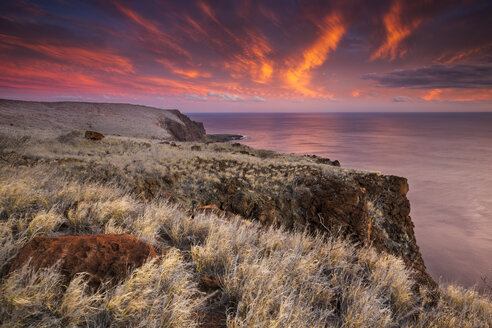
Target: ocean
(446, 157)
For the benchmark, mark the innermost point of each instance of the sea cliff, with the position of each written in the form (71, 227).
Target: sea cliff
(235, 235)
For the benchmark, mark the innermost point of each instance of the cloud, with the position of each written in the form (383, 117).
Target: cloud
(447, 59)
(195, 97)
(402, 99)
(396, 31)
(436, 77)
(100, 59)
(298, 76)
(225, 96)
(222, 97)
(433, 95)
(245, 51)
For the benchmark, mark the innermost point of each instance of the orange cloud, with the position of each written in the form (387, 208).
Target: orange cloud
(473, 95)
(187, 73)
(298, 75)
(434, 94)
(44, 75)
(253, 60)
(396, 31)
(191, 73)
(101, 59)
(464, 95)
(355, 93)
(446, 59)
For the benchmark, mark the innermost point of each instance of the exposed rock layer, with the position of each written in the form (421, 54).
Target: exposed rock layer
(184, 129)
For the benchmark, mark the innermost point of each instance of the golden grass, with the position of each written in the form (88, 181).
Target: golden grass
(268, 277)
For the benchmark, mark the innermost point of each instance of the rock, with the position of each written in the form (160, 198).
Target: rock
(188, 130)
(244, 152)
(173, 145)
(93, 135)
(213, 209)
(210, 283)
(223, 137)
(106, 257)
(322, 160)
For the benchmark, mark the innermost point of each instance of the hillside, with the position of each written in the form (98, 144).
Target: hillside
(108, 118)
(243, 237)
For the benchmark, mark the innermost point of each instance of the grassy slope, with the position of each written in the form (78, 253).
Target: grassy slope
(267, 277)
(107, 118)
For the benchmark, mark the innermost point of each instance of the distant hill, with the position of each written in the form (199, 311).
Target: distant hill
(108, 118)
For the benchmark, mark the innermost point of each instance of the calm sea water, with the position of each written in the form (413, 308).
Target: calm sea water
(447, 159)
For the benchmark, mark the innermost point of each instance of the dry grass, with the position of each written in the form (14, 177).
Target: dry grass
(268, 277)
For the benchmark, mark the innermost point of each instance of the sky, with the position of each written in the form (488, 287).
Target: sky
(251, 55)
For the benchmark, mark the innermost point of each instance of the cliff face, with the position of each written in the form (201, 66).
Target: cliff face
(182, 129)
(369, 207)
(297, 192)
(108, 118)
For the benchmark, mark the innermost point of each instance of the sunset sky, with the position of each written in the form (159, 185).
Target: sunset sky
(251, 55)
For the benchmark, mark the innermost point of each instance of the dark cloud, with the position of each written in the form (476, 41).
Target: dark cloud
(402, 99)
(436, 77)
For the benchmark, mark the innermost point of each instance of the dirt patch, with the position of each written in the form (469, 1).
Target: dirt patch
(106, 257)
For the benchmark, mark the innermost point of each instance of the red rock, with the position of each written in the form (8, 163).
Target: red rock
(104, 256)
(93, 135)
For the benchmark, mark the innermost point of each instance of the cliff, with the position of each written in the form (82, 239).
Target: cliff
(108, 118)
(292, 191)
(206, 216)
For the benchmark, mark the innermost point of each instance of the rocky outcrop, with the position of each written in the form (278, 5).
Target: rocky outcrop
(371, 208)
(322, 160)
(104, 256)
(183, 129)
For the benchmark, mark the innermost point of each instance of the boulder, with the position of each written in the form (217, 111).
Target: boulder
(93, 135)
(106, 257)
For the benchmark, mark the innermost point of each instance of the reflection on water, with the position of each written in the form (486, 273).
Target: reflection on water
(447, 159)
